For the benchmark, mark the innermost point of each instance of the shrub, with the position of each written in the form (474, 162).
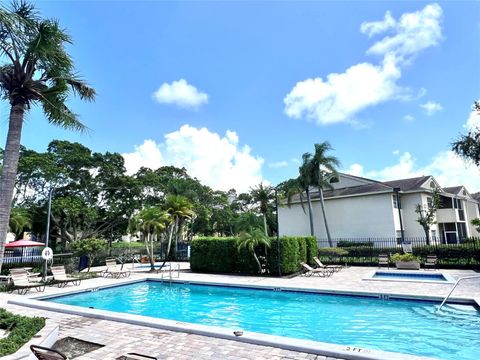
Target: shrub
(312, 249)
(346, 243)
(404, 257)
(20, 330)
(213, 255)
(88, 247)
(332, 252)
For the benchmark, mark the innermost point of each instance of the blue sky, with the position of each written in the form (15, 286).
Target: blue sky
(238, 91)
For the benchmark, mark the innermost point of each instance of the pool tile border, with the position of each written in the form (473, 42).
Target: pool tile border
(449, 278)
(315, 347)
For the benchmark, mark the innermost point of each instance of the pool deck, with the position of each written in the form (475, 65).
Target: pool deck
(120, 338)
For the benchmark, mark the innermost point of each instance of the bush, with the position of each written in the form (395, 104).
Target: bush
(404, 257)
(20, 330)
(312, 249)
(220, 255)
(346, 243)
(332, 252)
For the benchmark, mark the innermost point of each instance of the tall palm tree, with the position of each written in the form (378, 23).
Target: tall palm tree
(180, 209)
(150, 222)
(263, 195)
(322, 168)
(35, 70)
(252, 239)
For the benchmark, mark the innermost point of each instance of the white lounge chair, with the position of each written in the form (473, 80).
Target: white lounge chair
(309, 271)
(21, 281)
(114, 270)
(60, 277)
(335, 268)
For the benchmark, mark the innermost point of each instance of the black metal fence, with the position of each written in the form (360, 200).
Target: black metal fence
(365, 250)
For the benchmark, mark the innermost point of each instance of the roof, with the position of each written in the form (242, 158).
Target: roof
(408, 184)
(453, 189)
(476, 196)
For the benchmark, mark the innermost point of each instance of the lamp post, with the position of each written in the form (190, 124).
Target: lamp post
(399, 207)
(47, 235)
(278, 235)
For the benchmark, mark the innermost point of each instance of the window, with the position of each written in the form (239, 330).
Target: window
(397, 204)
(429, 202)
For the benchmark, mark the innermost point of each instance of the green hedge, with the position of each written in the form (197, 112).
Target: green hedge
(462, 255)
(346, 243)
(220, 255)
(20, 330)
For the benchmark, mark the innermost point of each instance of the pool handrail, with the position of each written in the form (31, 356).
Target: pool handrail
(454, 286)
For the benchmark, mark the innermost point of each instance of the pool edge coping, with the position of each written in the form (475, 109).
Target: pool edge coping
(308, 346)
(449, 278)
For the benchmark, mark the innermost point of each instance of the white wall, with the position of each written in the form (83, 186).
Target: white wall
(346, 181)
(471, 212)
(352, 217)
(409, 216)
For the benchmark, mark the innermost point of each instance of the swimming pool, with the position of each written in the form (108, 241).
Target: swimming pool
(404, 326)
(416, 276)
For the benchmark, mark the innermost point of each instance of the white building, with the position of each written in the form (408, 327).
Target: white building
(360, 208)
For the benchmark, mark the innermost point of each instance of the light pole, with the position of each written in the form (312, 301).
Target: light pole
(47, 235)
(278, 236)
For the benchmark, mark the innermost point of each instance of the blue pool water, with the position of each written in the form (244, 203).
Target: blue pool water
(392, 325)
(409, 276)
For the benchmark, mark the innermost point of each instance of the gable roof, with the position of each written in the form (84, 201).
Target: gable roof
(408, 184)
(453, 189)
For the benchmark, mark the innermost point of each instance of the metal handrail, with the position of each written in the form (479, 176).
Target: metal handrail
(453, 288)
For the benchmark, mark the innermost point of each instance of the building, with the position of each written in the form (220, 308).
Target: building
(360, 208)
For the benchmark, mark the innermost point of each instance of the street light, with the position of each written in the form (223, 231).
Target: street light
(47, 237)
(278, 236)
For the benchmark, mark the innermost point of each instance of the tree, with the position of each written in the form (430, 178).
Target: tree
(322, 168)
(476, 222)
(252, 239)
(20, 220)
(36, 69)
(150, 222)
(179, 209)
(90, 248)
(263, 195)
(426, 214)
(468, 146)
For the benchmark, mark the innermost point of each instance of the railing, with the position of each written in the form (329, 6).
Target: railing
(454, 286)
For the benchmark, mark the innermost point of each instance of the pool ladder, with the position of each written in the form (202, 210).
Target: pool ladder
(454, 286)
(170, 271)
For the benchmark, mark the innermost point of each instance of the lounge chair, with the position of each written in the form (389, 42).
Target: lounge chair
(135, 356)
(60, 277)
(309, 271)
(383, 260)
(114, 270)
(22, 283)
(431, 262)
(335, 268)
(44, 353)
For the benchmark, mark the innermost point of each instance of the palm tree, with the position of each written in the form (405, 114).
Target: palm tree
(179, 208)
(20, 220)
(322, 168)
(36, 70)
(263, 196)
(151, 222)
(252, 239)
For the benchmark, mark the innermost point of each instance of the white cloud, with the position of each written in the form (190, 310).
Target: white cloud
(216, 161)
(278, 164)
(431, 107)
(413, 32)
(340, 96)
(473, 122)
(408, 118)
(180, 93)
(448, 168)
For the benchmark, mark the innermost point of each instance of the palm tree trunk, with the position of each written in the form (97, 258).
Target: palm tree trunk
(310, 212)
(9, 172)
(265, 224)
(258, 262)
(322, 205)
(168, 245)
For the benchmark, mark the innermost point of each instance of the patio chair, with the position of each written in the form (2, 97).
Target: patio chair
(335, 268)
(135, 356)
(21, 282)
(431, 262)
(383, 260)
(60, 277)
(44, 353)
(309, 271)
(114, 270)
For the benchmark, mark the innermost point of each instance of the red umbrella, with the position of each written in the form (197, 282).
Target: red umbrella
(23, 243)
